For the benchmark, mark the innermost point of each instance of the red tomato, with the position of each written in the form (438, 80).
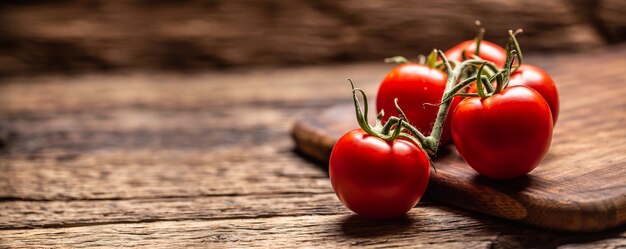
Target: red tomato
(537, 79)
(415, 85)
(503, 136)
(489, 51)
(540, 81)
(376, 178)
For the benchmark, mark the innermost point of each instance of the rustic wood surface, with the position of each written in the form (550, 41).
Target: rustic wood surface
(206, 160)
(581, 184)
(76, 36)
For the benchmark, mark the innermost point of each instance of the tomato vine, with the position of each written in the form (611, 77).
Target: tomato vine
(486, 72)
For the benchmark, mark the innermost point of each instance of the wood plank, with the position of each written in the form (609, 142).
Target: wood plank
(141, 135)
(77, 36)
(429, 228)
(303, 231)
(129, 128)
(306, 86)
(148, 173)
(57, 214)
(580, 184)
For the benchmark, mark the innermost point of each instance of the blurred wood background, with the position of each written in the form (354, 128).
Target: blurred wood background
(68, 36)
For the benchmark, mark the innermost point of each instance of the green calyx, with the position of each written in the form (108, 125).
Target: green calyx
(502, 77)
(401, 128)
(361, 117)
(395, 127)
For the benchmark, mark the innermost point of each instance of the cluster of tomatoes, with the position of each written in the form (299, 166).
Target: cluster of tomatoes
(498, 112)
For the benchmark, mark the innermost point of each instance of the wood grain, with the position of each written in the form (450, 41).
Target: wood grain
(191, 35)
(158, 173)
(204, 160)
(578, 187)
(56, 214)
(420, 228)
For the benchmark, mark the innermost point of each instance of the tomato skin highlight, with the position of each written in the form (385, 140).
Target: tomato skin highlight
(415, 85)
(503, 136)
(537, 79)
(489, 51)
(376, 178)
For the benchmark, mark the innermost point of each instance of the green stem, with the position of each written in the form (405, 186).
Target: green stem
(392, 120)
(492, 68)
(508, 69)
(432, 59)
(397, 131)
(499, 81)
(457, 72)
(458, 87)
(432, 141)
(480, 90)
(412, 139)
(479, 37)
(402, 115)
(361, 116)
(387, 127)
(483, 82)
(516, 46)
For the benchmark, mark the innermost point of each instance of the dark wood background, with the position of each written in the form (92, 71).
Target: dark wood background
(68, 36)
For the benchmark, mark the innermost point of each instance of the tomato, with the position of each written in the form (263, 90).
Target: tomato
(540, 81)
(503, 136)
(537, 79)
(377, 178)
(416, 86)
(489, 51)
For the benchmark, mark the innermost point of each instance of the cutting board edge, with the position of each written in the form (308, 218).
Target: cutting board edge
(315, 143)
(573, 216)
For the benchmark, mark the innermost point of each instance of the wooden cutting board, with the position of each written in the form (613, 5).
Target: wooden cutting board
(580, 185)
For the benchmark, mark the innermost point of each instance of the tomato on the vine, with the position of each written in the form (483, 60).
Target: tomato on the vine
(419, 89)
(489, 51)
(377, 178)
(505, 135)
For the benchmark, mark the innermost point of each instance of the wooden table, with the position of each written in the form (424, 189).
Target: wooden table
(168, 160)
